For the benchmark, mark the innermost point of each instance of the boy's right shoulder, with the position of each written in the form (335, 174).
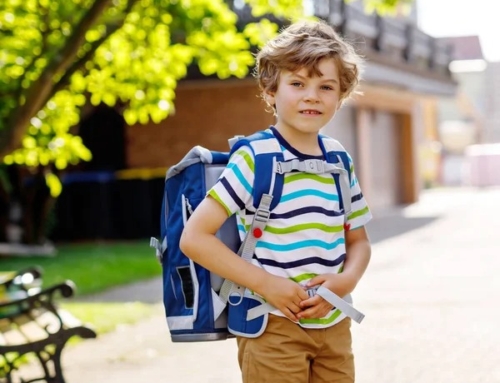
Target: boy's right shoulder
(261, 142)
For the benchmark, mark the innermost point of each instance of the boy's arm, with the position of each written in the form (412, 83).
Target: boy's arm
(198, 242)
(358, 253)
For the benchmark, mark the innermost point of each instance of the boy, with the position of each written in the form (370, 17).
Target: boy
(305, 74)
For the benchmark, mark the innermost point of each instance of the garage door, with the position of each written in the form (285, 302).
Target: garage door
(385, 160)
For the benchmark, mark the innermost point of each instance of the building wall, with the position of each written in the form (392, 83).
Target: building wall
(492, 123)
(207, 114)
(375, 129)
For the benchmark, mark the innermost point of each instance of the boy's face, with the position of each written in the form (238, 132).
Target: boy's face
(305, 104)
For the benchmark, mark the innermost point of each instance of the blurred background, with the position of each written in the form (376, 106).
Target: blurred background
(100, 98)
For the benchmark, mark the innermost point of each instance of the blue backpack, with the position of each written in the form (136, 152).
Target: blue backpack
(200, 305)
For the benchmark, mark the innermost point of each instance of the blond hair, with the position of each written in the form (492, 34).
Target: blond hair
(304, 45)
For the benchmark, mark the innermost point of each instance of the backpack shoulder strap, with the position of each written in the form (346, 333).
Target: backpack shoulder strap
(335, 153)
(267, 151)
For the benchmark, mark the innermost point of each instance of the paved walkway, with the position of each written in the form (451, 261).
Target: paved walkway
(431, 297)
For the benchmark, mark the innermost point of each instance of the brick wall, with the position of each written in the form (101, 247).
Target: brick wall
(207, 113)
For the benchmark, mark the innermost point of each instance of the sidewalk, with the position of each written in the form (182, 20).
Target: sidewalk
(430, 297)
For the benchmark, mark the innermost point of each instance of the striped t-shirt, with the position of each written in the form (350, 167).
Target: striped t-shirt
(304, 236)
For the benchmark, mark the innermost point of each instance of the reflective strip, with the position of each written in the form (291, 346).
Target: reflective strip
(180, 323)
(265, 146)
(218, 305)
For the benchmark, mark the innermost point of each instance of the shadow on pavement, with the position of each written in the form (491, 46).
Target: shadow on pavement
(387, 227)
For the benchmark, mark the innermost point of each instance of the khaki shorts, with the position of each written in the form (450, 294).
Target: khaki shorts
(288, 353)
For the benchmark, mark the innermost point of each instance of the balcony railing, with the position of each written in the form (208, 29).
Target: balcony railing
(398, 40)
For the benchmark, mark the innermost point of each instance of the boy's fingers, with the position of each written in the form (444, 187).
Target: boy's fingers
(313, 301)
(290, 315)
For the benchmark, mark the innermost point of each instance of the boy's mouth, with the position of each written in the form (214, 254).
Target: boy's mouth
(310, 112)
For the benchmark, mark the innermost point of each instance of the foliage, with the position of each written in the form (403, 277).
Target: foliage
(57, 54)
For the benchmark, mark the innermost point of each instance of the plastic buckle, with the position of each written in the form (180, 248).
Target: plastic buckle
(314, 166)
(262, 215)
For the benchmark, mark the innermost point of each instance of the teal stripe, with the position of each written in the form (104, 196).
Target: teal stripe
(354, 181)
(309, 192)
(242, 228)
(237, 172)
(301, 245)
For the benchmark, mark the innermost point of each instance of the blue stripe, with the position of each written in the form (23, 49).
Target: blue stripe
(306, 210)
(301, 245)
(309, 192)
(354, 181)
(232, 193)
(356, 197)
(241, 228)
(237, 172)
(303, 262)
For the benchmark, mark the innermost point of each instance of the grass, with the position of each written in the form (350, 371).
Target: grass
(105, 317)
(93, 267)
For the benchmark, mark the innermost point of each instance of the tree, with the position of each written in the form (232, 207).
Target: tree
(58, 55)
(55, 55)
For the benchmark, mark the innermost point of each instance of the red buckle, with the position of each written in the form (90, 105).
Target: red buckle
(347, 226)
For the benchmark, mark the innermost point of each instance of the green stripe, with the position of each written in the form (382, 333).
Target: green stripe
(358, 213)
(303, 277)
(212, 194)
(303, 176)
(244, 223)
(248, 159)
(305, 226)
(322, 321)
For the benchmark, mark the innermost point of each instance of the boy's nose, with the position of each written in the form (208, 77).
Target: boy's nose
(311, 96)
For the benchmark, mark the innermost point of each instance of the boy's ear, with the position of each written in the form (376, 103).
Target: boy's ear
(269, 97)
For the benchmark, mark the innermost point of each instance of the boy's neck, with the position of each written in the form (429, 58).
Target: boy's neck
(305, 143)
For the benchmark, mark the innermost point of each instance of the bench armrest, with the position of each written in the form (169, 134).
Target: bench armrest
(23, 279)
(43, 299)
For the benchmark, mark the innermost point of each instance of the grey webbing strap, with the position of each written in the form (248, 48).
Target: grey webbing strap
(323, 292)
(341, 304)
(159, 247)
(307, 166)
(247, 248)
(345, 188)
(314, 166)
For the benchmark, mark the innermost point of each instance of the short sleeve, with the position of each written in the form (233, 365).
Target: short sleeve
(234, 188)
(360, 212)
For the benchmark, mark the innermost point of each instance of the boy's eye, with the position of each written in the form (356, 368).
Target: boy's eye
(326, 87)
(296, 83)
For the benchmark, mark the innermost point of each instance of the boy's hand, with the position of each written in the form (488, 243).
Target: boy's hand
(316, 307)
(285, 295)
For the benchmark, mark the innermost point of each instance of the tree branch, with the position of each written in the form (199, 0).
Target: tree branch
(17, 124)
(80, 63)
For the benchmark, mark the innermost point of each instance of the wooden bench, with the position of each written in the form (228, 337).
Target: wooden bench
(32, 324)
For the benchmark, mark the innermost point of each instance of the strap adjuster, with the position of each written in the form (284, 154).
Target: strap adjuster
(314, 166)
(262, 215)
